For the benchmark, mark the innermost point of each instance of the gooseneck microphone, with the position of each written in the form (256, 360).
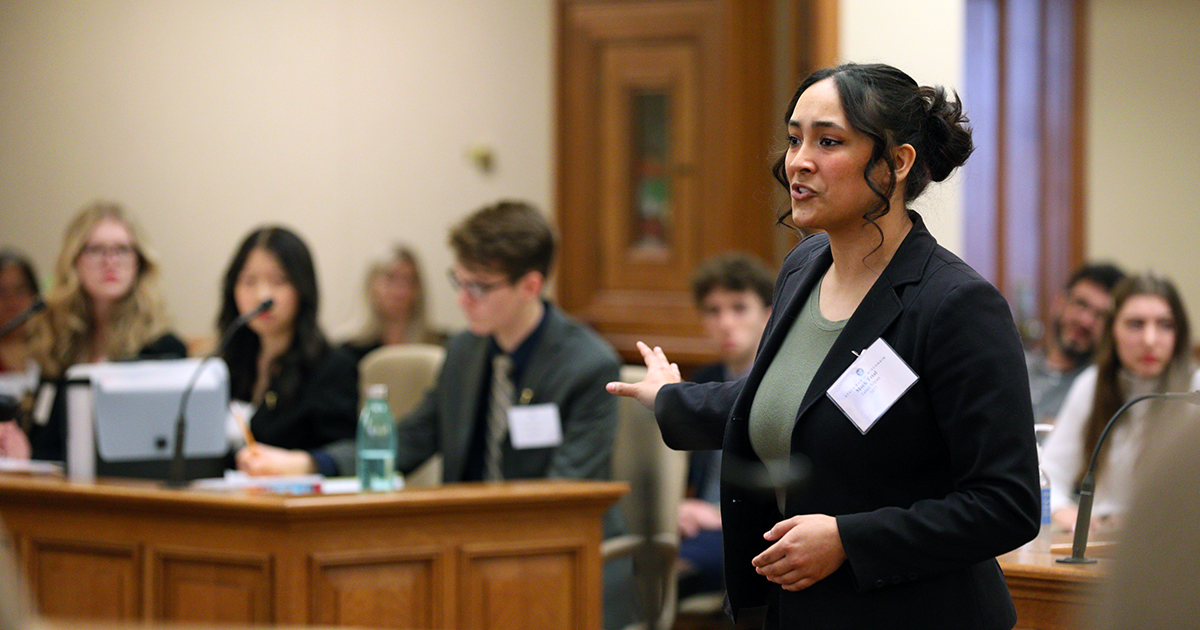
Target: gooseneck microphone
(22, 317)
(178, 462)
(1087, 487)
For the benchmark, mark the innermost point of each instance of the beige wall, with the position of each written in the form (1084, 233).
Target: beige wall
(349, 120)
(925, 39)
(1143, 132)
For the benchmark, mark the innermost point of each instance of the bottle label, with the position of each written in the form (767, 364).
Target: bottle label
(1045, 506)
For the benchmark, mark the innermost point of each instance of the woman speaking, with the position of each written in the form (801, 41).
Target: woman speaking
(890, 366)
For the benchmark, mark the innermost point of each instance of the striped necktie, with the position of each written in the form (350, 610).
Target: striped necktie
(497, 426)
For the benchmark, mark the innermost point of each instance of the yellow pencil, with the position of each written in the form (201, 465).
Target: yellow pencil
(250, 441)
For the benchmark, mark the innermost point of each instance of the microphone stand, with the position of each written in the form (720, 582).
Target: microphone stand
(1087, 487)
(176, 477)
(22, 317)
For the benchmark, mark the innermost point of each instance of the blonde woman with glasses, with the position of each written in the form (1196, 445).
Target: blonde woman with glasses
(105, 306)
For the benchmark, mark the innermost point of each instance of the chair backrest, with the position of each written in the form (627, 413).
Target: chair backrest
(657, 478)
(408, 370)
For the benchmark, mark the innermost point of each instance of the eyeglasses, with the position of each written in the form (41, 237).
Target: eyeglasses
(96, 253)
(1087, 307)
(474, 288)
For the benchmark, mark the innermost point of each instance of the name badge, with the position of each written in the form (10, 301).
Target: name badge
(534, 426)
(871, 385)
(41, 408)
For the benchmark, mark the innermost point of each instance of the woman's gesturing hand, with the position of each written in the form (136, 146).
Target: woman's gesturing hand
(660, 372)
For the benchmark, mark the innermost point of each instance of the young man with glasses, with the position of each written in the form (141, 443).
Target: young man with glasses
(521, 393)
(1076, 323)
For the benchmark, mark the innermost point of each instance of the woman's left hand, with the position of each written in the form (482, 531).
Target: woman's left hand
(807, 549)
(261, 459)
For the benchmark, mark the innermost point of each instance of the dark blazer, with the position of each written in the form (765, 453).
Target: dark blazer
(570, 367)
(324, 410)
(48, 441)
(944, 481)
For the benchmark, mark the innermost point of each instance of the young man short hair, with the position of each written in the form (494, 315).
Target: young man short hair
(521, 393)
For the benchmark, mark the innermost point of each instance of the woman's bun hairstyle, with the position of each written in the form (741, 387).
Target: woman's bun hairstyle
(947, 136)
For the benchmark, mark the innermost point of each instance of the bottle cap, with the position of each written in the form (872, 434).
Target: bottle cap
(377, 391)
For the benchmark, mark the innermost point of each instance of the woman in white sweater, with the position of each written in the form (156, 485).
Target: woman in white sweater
(1145, 347)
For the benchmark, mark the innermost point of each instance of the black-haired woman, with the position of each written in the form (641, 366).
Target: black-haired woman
(889, 365)
(299, 393)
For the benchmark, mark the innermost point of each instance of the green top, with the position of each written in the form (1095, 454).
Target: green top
(777, 400)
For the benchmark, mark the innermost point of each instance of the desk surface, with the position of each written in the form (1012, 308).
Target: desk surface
(131, 494)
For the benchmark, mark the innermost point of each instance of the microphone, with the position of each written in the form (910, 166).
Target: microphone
(178, 464)
(1087, 487)
(22, 317)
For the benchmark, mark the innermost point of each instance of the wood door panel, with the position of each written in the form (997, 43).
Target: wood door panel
(84, 579)
(212, 587)
(708, 59)
(508, 587)
(380, 590)
(667, 68)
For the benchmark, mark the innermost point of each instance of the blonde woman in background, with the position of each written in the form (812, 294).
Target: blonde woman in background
(396, 300)
(105, 306)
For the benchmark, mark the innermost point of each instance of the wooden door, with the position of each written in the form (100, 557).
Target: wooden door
(670, 115)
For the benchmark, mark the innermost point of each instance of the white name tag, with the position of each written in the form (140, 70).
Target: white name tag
(871, 385)
(41, 407)
(534, 426)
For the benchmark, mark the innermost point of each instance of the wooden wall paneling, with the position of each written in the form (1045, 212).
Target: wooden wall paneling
(135, 551)
(815, 23)
(1023, 206)
(1063, 235)
(386, 589)
(80, 579)
(210, 586)
(742, 135)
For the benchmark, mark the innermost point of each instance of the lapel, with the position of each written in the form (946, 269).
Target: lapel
(541, 368)
(466, 393)
(793, 291)
(879, 308)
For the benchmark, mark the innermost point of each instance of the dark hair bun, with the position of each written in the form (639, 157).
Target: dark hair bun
(947, 133)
